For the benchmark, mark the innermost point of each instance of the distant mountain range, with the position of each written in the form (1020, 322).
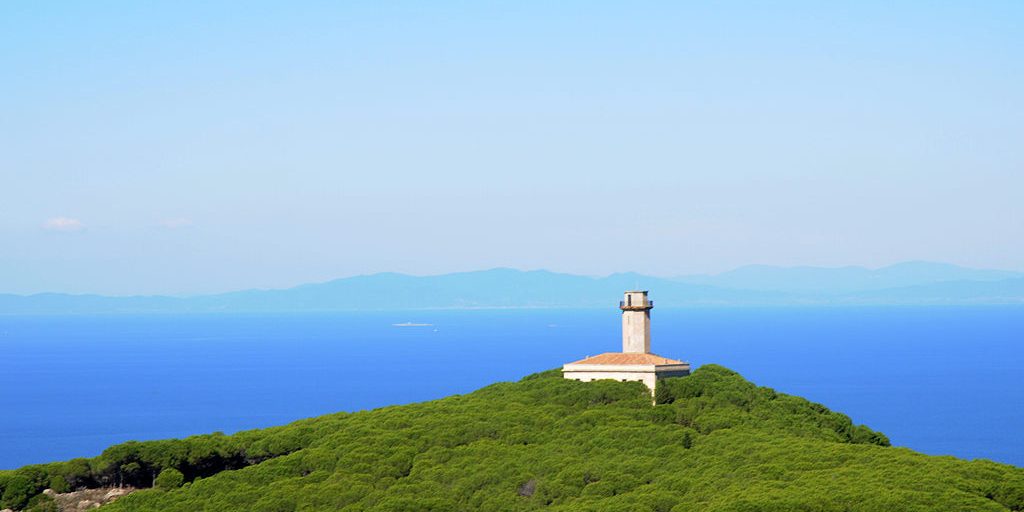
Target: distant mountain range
(758, 285)
(840, 280)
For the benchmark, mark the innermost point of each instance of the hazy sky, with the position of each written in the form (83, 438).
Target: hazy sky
(186, 147)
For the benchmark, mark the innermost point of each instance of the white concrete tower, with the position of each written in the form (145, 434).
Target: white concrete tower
(636, 322)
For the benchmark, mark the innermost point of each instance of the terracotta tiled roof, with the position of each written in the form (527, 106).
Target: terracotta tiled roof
(627, 358)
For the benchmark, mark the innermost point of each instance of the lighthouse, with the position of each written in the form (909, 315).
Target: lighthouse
(635, 362)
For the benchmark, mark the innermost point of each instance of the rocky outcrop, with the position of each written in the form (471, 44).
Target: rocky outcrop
(88, 499)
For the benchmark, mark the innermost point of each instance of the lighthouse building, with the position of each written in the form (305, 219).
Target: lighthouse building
(635, 362)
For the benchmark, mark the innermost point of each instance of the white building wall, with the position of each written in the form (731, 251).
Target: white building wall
(648, 378)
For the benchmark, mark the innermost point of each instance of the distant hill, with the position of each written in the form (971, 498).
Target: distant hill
(908, 283)
(1006, 291)
(845, 280)
(715, 442)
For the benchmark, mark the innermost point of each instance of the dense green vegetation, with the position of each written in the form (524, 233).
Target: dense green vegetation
(145, 464)
(714, 442)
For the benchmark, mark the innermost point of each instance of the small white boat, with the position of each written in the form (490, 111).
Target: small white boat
(412, 324)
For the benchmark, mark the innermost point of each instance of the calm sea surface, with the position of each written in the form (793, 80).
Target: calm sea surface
(941, 380)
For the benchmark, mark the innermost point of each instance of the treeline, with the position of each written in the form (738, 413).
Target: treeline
(714, 442)
(150, 463)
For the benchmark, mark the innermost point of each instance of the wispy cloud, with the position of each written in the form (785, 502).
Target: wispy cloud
(176, 223)
(65, 224)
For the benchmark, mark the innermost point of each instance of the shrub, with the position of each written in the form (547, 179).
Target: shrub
(42, 503)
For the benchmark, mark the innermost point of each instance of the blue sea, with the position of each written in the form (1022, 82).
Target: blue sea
(940, 380)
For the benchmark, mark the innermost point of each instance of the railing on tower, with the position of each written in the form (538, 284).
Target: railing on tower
(644, 305)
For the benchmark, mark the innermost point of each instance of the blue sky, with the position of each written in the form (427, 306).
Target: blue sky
(188, 147)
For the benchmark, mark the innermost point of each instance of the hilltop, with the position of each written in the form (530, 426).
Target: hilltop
(906, 283)
(714, 442)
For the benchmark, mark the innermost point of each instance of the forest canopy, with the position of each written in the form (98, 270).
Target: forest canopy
(713, 442)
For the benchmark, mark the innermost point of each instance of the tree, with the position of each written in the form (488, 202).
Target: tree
(59, 484)
(130, 473)
(662, 393)
(17, 492)
(169, 478)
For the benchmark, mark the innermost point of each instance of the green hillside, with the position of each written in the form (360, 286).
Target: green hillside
(715, 442)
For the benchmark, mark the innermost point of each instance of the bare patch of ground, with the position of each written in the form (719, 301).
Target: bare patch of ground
(87, 499)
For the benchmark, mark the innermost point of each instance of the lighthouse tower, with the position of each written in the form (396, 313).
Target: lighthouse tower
(636, 322)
